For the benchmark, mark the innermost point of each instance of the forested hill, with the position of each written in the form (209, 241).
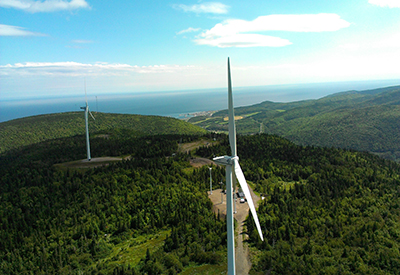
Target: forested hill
(29, 130)
(360, 120)
(327, 210)
(118, 219)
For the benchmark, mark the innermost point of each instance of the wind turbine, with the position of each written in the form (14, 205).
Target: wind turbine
(232, 163)
(86, 108)
(210, 180)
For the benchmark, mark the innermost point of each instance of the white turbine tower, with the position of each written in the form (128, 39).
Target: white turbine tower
(232, 162)
(86, 108)
(210, 180)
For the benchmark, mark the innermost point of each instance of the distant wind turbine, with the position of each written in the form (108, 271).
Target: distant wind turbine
(232, 162)
(86, 108)
(210, 180)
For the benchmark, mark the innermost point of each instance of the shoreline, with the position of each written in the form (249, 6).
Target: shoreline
(187, 116)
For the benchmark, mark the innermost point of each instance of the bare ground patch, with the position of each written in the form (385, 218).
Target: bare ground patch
(218, 199)
(84, 163)
(198, 162)
(186, 147)
(236, 118)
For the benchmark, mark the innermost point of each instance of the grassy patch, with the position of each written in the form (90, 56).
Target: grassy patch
(131, 251)
(252, 114)
(194, 145)
(255, 256)
(188, 171)
(287, 185)
(201, 121)
(205, 269)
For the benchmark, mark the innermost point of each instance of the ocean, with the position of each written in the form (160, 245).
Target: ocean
(179, 104)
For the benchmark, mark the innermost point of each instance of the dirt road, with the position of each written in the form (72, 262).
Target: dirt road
(243, 263)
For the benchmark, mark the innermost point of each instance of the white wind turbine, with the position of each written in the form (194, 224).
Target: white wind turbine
(86, 108)
(232, 162)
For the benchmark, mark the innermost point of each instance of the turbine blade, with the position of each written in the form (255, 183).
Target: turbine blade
(231, 115)
(246, 191)
(91, 114)
(85, 93)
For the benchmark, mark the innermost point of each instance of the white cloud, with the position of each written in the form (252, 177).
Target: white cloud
(50, 78)
(44, 6)
(7, 30)
(233, 30)
(80, 41)
(206, 7)
(243, 41)
(77, 69)
(283, 22)
(14, 4)
(26, 79)
(188, 30)
(350, 46)
(386, 3)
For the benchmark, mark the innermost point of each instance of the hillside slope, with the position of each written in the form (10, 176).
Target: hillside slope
(327, 210)
(360, 120)
(118, 219)
(29, 130)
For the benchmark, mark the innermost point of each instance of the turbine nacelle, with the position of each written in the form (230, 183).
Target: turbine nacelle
(225, 160)
(86, 108)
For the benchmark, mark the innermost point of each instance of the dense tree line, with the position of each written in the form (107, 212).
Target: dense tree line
(56, 221)
(327, 211)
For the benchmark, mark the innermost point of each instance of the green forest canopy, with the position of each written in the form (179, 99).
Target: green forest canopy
(326, 210)
(29, 130)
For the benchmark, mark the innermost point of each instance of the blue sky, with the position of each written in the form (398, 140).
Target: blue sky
(48, 48)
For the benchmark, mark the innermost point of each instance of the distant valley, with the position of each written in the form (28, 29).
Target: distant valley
(360, 120)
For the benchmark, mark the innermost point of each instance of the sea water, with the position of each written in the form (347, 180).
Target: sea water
(180, 104)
